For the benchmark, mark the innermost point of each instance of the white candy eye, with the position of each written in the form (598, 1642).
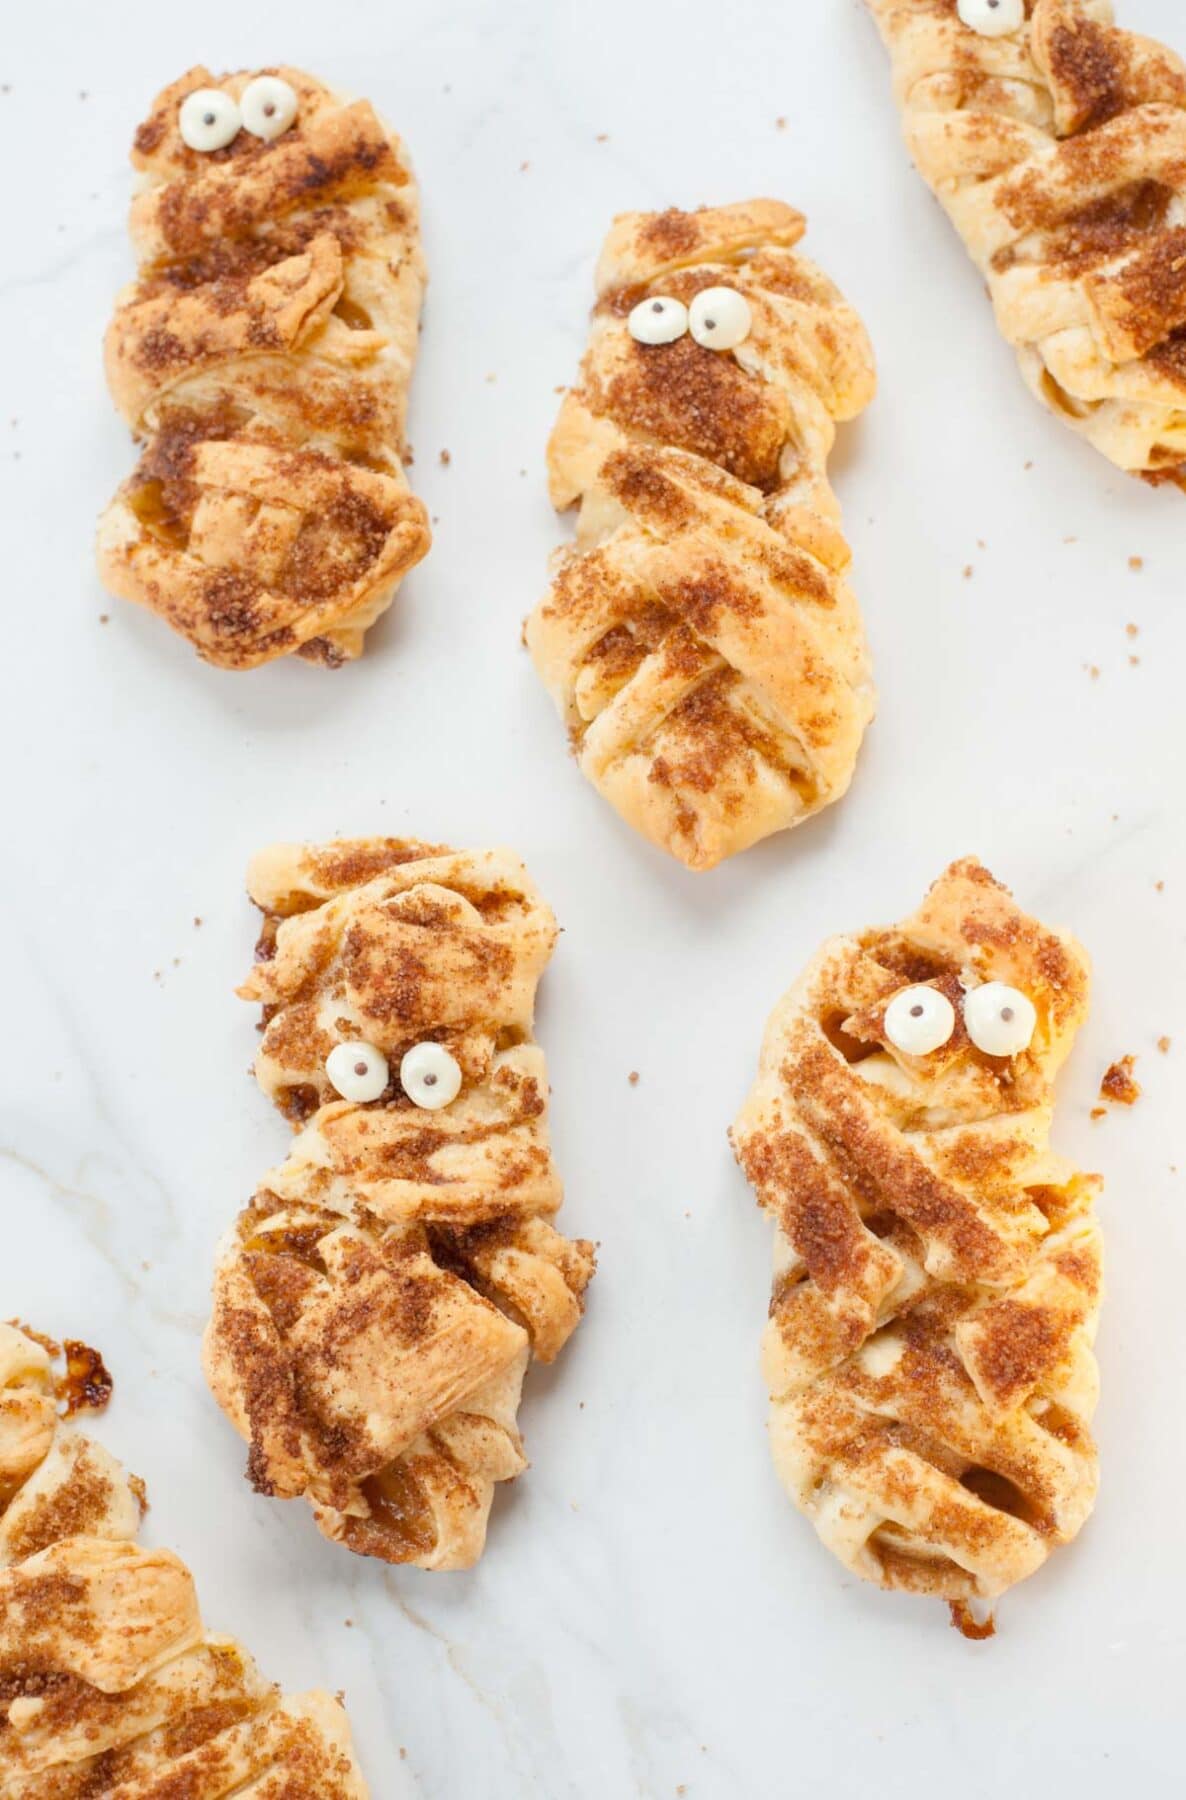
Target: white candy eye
(659, 320)
(358, 1071)
(993, 18)
(919, 1020)
(268, 105)
(208, 119)
(720, 318)
(430, 1076)
(1001, 1020)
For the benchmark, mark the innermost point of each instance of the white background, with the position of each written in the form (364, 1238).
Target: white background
(652, 1616)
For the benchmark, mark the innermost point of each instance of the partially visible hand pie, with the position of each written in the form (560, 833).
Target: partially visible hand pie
(263, 355)
(937, 1269)
(700, 639)
(109, 1682)
(1057, 144)
(377, 1305)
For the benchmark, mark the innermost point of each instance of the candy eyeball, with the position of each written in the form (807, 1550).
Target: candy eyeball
(992, 18)
(1001, 1020)
(430, 1077)
(719, 318)
(919, 1020)
(357, 1070)
(208, 119)
(268, 105)
(658, 320)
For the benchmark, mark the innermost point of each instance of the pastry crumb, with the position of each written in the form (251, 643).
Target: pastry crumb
(446, 457)
(633, 1077)
(1163, 1044)
(602, 137)
(968, 571)
(780, 124)
(1099, 1112)
(968, 1625)
(1118, 1084)
(1093, 669)
(1136, 564)
(104, 618)
(1131, 630)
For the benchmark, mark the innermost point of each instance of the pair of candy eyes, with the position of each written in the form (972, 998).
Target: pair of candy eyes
(429, 1076)
(992, 18)
(209, 119)
(719, 318)
(1000, 1020)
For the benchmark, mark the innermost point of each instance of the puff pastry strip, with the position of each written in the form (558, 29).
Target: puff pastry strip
(1059, 153)
(700, 638)
(109, 1682)
(264, 355)
(376, 1307)
(937, 1265)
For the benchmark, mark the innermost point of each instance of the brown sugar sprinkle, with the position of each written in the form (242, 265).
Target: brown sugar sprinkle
(87, 1386)
(1118, 1085)
(968, 1625)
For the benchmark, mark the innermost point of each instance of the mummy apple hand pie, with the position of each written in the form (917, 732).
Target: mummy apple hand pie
(1057, 144)
(109, 1682)
(700, 638)
(263, 356)
(937, 1277)
(375, 1308)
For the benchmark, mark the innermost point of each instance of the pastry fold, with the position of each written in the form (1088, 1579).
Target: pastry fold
(700, 639)
(377, 1305)
(264, 355)
(109, 1682)
(1058, 153)
(937, 1264)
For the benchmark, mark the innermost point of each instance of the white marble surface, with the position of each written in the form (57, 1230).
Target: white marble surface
(652, 1617)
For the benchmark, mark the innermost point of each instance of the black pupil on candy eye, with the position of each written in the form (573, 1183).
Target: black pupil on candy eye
(916, 1012)
(208, 119)
(269, 109)
(710, 324)
(430, 1081)
(1006, 1013)
(360, 1068)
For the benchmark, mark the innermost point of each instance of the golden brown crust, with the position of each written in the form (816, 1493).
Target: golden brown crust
(700, 639)
(938, 1265)
(375, 1307)
(1059, 153)
(264, 353)
(109, 1682)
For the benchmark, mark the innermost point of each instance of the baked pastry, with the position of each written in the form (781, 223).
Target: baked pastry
(263, 355)
(700, 639)
(376, 1306)
(937, 1269)
(1056, 143)
(109, 1682)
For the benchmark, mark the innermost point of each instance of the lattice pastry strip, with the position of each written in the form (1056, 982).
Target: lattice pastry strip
(264, 354)
(376, 1306)
(110, 1683)
(1058, 150)
(937, 1267)
(700, 639)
